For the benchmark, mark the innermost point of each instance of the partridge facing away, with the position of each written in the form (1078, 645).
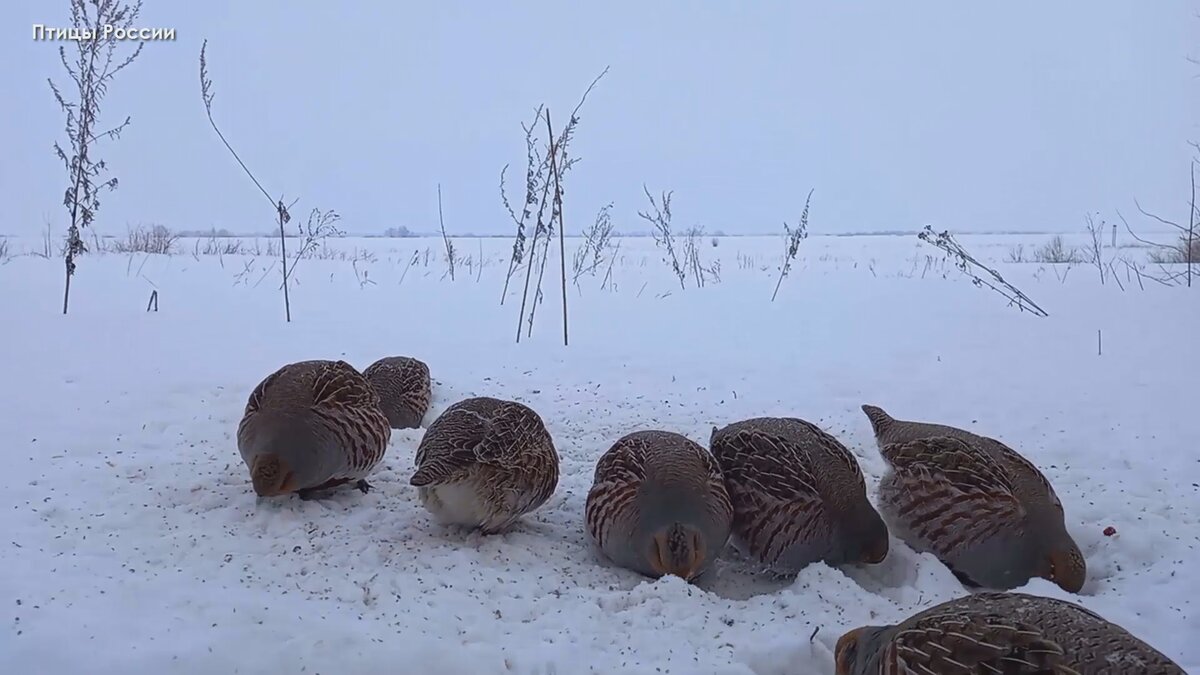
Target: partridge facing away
(993, 633)
(658, 505)
(798, 495)
(403, 386)
(984, 510)
(310, 426)
(484, 463)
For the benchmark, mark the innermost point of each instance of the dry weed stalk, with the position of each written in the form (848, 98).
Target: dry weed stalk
(1094, 252)
(534, 177)
(321, 225)
(608, 282)
(92, 69)
(415, 257)
(545, 228)
(691, 258)
(562, 247)
(793, 237)
(597, 242)
(157, 239)
(549, 173)
(971, 267)
(1056, 252)
(663, 237)
(1186, 249)
(449, 245)
(282, 213)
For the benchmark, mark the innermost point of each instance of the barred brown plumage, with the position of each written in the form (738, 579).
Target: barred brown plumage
(484, 463)
(403, 385)
(983, 509)
(658, 505)
(1012, 633)
(798, 495)
(309, 426)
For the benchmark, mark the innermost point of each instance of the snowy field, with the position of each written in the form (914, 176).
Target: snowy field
(134, 543)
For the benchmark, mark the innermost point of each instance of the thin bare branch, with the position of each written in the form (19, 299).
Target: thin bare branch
(794, 237)
(1160, 219)
(968, 265)
(445, 237)
(207, 93)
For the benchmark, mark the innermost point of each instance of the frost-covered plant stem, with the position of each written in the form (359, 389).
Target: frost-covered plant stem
(794, 237)
(91, 69)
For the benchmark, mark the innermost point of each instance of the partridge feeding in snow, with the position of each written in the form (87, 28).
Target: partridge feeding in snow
(998, 633)
(310, 426)
(984, 510)
(403, 387)
(658, 505)
(798, 495)
(484, 463)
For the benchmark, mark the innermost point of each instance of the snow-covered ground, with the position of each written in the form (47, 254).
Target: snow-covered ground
(133, 542)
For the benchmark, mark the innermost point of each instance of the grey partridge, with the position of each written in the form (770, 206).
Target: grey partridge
(658, 505)
(983, 509)
(484, 463)
(310, 426)
(798, 495)
(403, 385)
(993, 633)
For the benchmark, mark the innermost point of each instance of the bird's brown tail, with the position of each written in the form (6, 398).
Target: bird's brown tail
(269, 475)
(880, 420)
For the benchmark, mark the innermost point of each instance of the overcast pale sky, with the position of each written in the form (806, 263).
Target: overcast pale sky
(1018, 115)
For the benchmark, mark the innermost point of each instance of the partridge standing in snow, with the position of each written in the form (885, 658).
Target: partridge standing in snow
(404, 389)
(658, 505)
(798, 495)
(310, 426)
(984, 510)
(994, 633)
(485, 463)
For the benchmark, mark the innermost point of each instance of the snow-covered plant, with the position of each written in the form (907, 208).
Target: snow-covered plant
(660, 219)
(792, 239)
(981, 275)
(555, 162)
(91, 67)
(597, 245)
(282, 214)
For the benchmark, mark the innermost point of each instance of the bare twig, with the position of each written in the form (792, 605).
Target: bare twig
(1185, 251)
(533, 178)
(969, 266)
(445, 238)
(479, 270)
(1095, 250)
(551, 169)
(91, 71)
(607, 281)
(415, 257)
(597, 240)
(558, 209)
(321, 225)
(794, 237)
(538, 230)
(663, 238)
(282, 216)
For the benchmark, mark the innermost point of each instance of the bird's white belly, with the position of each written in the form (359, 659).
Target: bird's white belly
(454, 504)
